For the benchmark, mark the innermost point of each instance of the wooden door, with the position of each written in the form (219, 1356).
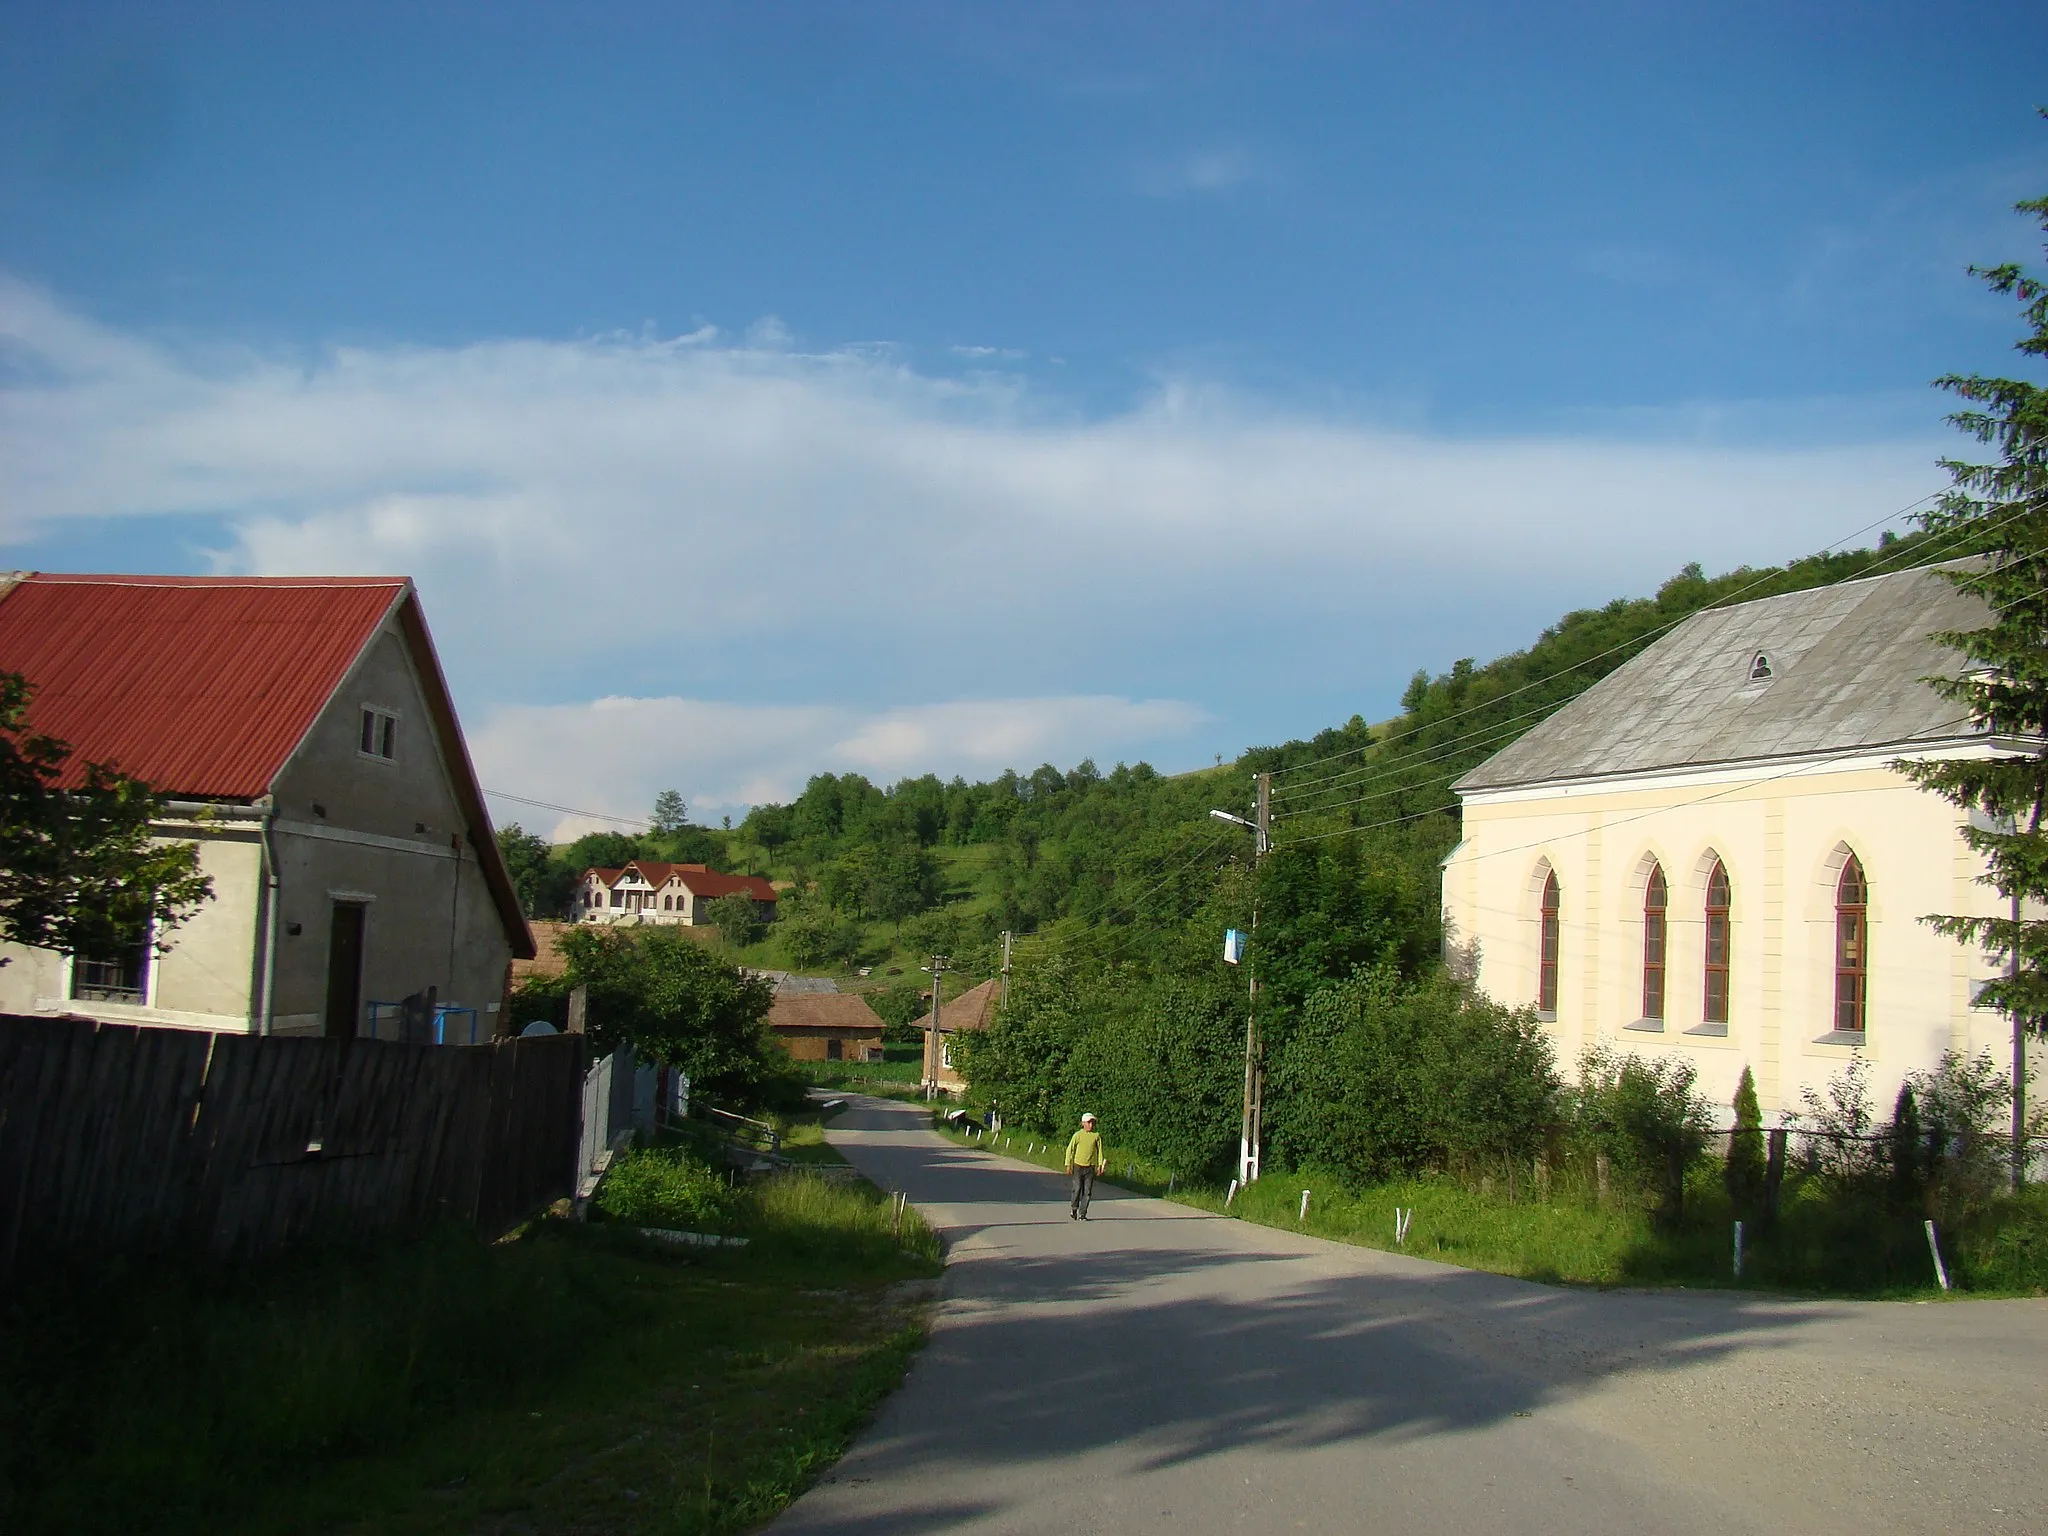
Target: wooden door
(345, 969)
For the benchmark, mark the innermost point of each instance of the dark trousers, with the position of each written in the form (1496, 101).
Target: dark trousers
(1084, 1186)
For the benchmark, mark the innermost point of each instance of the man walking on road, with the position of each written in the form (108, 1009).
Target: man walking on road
(1085, 1159)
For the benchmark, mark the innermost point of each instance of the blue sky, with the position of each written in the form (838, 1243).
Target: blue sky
(756, 389)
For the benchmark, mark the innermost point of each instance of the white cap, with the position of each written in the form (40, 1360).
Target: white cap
(1087, 1114)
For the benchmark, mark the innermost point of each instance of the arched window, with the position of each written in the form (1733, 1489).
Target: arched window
(1852, 947)
(1760, 668)
(1717, 946)
(1655, 899)
(1546, 969)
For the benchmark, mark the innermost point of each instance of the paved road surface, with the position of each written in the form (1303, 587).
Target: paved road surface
(1158, 1369)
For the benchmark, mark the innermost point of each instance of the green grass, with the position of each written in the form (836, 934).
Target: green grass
(1818, 1248)
(576, 1378)
(865, 1076)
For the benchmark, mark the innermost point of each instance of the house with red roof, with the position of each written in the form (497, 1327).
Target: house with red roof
(649, 891)
(303, 734)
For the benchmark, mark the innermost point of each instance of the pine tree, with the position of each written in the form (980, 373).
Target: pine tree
(1998, 511)
(1745, 1170)
(671, 814)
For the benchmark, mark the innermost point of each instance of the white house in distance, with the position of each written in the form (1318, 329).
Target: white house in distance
(304, 736)
(1708, 854)
(648, 891)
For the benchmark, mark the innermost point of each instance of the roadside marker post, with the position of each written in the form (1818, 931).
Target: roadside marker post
(1230, 1194)
(1304, 1207)
(1934, 1247)
(1402, 1219)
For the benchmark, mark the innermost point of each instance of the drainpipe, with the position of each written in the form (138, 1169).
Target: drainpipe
(264, 1015)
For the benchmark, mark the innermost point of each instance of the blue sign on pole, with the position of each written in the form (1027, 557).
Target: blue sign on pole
(1233, 946)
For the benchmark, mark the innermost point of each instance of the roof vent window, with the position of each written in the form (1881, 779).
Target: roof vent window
(1760, 668)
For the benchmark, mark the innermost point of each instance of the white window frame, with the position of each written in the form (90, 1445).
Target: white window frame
(387, 724)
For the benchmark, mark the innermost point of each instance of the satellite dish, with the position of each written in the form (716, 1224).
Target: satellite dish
(538, 1027)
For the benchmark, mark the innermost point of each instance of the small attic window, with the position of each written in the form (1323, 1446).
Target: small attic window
(380, 734)
(1760, 668)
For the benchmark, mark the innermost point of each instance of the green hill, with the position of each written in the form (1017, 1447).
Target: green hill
(1114, 869)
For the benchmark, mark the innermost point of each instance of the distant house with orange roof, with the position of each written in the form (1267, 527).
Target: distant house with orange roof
(973, 1009)
(649, 891)
(304, 738)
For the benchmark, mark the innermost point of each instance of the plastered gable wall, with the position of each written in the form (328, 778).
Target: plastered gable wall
(430, 918)
(1782, 839)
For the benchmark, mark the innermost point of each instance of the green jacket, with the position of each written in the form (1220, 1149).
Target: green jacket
(1086, 1151)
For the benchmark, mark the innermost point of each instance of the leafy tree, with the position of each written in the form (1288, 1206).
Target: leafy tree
(737, 919)
(601, 850)
(687, 845)
(679, 1004)
(1746, 1165)
(903, 881)
(81, 870)
(816, 936)
(901, 1010)
(2000, 508)
(670, 813)
(544, 883)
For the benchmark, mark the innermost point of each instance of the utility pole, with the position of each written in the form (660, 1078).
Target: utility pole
(1250, 1128)
(1003, 993)
(931, 1034)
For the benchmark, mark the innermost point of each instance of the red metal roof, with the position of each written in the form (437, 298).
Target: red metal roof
(200, 686)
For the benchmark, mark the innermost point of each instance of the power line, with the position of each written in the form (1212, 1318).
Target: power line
(1562, 837)
(1996, 608)
(1767, 576)
(1372, 772)
(569, 810)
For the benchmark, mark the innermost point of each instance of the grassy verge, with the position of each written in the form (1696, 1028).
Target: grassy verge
(884, 1079)
(575, 1378)
(1816, 1249)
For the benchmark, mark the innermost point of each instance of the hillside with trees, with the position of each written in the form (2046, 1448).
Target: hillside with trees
(1119, 884)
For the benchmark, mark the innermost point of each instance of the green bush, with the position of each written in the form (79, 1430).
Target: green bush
(666, 1187)
(1645, 1118)
(1384, 1079)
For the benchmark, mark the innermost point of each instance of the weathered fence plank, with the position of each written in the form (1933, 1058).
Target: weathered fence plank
(125, 1139)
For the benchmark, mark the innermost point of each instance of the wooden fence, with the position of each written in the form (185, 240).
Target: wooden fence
(119, 1139)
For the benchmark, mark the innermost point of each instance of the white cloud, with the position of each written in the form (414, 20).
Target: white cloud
(611, 756)
(748, 522)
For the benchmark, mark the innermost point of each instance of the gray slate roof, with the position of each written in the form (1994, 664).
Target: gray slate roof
(1847, 662)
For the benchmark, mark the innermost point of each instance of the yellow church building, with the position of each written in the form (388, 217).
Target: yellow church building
(1708, 854)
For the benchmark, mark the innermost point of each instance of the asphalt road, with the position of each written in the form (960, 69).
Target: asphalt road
(1159, 1369)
